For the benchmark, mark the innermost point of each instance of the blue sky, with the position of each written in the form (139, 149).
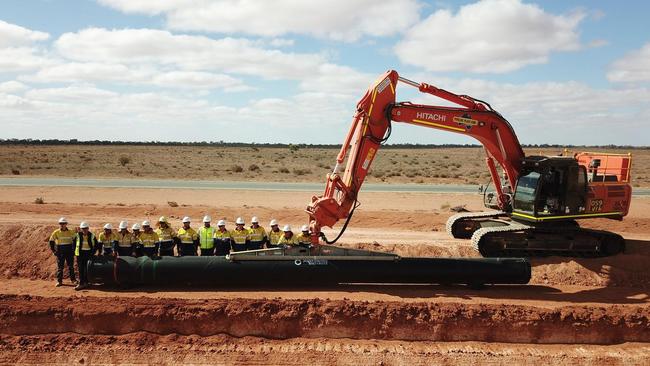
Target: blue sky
(566, 72)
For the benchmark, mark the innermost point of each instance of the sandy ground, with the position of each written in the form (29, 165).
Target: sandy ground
(574, 311)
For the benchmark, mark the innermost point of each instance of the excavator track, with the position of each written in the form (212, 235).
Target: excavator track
(569, 240)
(464, 224)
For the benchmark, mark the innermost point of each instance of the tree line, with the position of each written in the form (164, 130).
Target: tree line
(69, 142)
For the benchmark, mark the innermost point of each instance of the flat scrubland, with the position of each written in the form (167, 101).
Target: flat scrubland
(405, 165)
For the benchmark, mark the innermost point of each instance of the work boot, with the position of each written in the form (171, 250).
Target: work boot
(58, 284)
(75, 282)
(80, 287)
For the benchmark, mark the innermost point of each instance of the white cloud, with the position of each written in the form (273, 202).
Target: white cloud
(12, 35)
(12, 86)
(633, 67)
(490, 36)
(337, 19)
(92, 72)
(22, 58)
(193, 53)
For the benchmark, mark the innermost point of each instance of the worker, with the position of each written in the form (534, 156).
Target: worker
(240, 236)
(274, 234)
(149, 239)
(206, 237)
(188, 237)
(124, 245)
(61, 244)
(167, 237)
(304, 238)
(287, 238)
(222, 240)
(107, 239)
(135, 239)
(257, 235)
(86, 246)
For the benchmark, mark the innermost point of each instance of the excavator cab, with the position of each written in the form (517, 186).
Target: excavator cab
(550, 188)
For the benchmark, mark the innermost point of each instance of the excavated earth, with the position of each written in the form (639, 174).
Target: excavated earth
(573, 312)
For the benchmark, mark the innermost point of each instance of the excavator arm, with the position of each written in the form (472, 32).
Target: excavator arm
(371, 126)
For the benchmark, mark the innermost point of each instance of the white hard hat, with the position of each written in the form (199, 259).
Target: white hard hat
(136, 226)
(83, 225)
(221, 223)
(286, 228)
(254, 220)
(124, 224)
(207, 218)
(108, 227)
(304, 228)
(63, 220)
(239, 221)
(162, 219)
(273, 222)
(146, 223)
(186, 219)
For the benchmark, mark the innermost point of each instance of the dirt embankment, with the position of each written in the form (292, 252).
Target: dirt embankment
(25, 254)
(314, 318)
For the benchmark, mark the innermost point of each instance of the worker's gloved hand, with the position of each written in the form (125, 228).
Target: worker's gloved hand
(53, 248)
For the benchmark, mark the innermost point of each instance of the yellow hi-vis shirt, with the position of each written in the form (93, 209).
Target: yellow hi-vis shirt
(239, 237)
(221, 235)
(187, 236)
(63, 237)
(258, 234)
(149, 240)
(106, 240)
(124, 239)
(87, 243)
(166, 234)
(274, 236)
(288, 241)
(303, 239)
(206, 237)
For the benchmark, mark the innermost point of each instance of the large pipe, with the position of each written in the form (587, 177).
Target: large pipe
(219, 271)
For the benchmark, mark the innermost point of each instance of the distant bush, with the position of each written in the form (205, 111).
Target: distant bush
(284, 170)
(236, 169)
(15, 171)
(172, 204)
(301, 171)
(253, 168)
(123, 160)
(39, 201)
(377, 173)
(293, 148)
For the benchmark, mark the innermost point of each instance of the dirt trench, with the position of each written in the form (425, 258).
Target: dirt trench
(314, 318)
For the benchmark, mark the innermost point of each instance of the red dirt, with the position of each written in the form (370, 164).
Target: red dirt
(575, 311)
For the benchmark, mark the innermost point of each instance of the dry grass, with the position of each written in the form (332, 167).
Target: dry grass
(449, 165)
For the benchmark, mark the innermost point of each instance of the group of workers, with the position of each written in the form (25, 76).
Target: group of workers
(143, 240)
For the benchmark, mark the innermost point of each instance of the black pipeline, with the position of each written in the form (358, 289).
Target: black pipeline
(220, 271)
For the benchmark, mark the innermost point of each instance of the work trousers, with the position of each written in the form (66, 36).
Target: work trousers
(65, 253)
(167, 248)
(108, 251)
(188, 249)
(221, 247)
(82, 263)
(207, 252)
(239, 247)
(138, 250)
(149, 251)
(125, 251)
(252, 245)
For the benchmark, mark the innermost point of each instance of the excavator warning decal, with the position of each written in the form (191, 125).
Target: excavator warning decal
(467, 122)
(596, 205)
(369, 157)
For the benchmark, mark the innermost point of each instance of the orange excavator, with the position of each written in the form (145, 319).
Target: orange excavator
(537, 200)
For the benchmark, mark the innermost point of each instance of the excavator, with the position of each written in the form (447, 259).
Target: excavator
(537, 200)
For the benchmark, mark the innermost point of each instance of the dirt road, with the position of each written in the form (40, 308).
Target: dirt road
(575, 311)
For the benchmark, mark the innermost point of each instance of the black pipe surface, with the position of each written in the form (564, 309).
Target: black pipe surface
(219, 271)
